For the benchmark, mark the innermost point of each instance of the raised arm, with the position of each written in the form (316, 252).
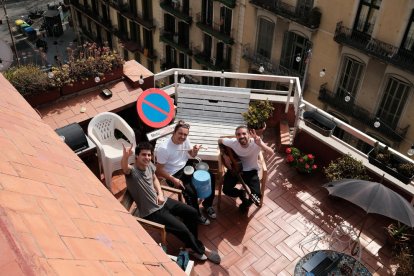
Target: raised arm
(126, 168)
(260, 142)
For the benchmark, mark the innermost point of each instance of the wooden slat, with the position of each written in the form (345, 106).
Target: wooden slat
(212, 112)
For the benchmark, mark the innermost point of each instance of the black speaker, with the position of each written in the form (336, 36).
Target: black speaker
(53, 23)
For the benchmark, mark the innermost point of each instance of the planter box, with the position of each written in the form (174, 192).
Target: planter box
(319, 123)
(395, 160)
(89, 83)
(43, 98)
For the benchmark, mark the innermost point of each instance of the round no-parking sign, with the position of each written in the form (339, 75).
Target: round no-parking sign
(155, 107)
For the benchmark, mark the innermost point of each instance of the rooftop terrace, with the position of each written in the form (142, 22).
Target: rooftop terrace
(69, 223)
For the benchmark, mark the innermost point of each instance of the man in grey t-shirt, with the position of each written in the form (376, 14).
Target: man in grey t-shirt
(145, 189)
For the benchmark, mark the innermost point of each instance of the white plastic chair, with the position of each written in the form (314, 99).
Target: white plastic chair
(101, 130)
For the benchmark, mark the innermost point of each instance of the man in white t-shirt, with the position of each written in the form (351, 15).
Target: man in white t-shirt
(172, 157)
(247, 145)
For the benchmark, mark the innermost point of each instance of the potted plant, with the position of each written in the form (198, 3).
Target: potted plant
(398, 233)
(257, 115)
(318, 122)
(86, 66)
(345, 167)
(304, 163)
(392, 164)
(405, 260)
(33, 84)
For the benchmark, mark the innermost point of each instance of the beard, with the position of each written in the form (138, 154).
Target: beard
(243, 141)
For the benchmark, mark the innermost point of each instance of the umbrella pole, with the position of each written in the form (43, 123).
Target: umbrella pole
(354, 249)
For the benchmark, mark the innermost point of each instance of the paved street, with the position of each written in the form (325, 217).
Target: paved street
(27, 52)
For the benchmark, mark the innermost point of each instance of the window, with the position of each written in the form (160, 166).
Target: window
(208, 41)
(147, 9)
(207, 12)
(393, 101)
(184, 61)
(265, 38)
(366, 16)
(294, 52)
(408, 40)
(350, 77)
(303, 7)
(225, 20)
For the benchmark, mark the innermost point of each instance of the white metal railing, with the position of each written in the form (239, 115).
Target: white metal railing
(286, 81)
(298, 103)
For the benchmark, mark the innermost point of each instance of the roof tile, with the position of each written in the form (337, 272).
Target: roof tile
(20, 185)
(104, 216)
(59, 218)
(118, 268)
(53, 208)
(50, 243)
(139, 269)
(18, 202)
(90, 249)
(78, 267)
(66, 199)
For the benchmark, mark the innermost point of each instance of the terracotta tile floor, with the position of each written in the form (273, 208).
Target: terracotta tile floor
(271, 240)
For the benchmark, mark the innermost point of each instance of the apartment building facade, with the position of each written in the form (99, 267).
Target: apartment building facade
(354, 58)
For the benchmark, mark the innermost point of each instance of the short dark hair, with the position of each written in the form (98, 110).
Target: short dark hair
(240, 127)
(182, 124)
(143, 146)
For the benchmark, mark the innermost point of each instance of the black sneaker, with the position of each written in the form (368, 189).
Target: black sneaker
(203, 220)
(210, 212)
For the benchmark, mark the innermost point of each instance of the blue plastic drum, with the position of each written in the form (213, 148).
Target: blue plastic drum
(202, 183)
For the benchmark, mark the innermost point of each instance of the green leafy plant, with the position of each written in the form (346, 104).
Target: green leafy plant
(88, 61)
(405, 260)
(302, 162)
(29, 79)
(345, 167)
(398, 231)
(258, 113)
(406, 169)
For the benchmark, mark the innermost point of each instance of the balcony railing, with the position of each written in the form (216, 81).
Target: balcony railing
(360, 114)
(105, 23)
(309, 19)
(270, 67)
(215, 29)
(203, 58)
(228, 3)
(176, 9)
(137, 16)
(386, 52)
(174, 40)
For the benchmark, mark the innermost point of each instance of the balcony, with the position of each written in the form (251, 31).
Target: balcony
(228, 3)
(174, 40)
(176, 10)
(360, 114)
(259, 60)
(215, 29)
(86, 10)
(138, 17)
(309, 19)
(373, 47)
(203, 58)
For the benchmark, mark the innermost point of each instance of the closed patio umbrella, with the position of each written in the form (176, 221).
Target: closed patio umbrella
(374, 198)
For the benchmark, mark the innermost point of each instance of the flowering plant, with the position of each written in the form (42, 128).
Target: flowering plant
(88, 61)
(302, 162)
